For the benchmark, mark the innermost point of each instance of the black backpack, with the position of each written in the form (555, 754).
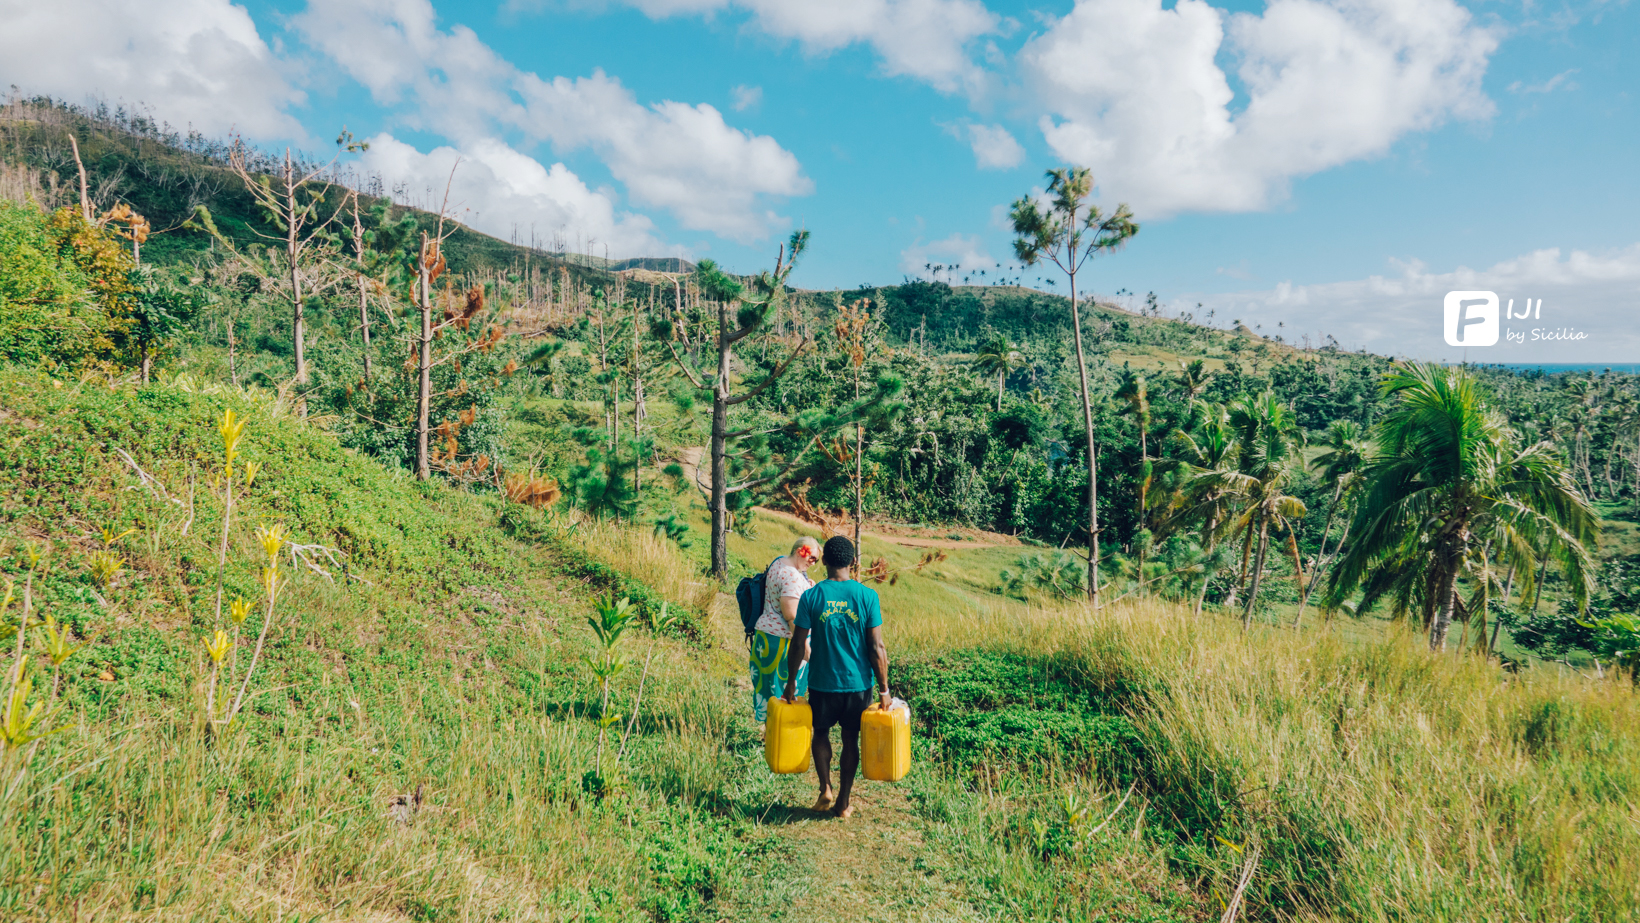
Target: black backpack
(749, 594)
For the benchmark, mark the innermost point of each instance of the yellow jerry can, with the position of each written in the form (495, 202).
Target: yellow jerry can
(788, 735)
(885, 742)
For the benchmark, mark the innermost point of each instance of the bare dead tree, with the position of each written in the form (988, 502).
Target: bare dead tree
(429, 266)
(363, 282)
(294, 207)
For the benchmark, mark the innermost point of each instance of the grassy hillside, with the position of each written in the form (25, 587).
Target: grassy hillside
(441, 658)
(1071, 765)
(1376, 782)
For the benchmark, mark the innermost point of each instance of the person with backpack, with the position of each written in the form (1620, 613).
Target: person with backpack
(767, 614)
(841, 621)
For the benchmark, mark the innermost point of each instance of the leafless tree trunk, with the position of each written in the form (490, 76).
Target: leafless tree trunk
(293, 253)
(637, 396)
(424, 358)
(720, 440)
(358, 268)
(1093, 459)
(85, 196)
(233, 369)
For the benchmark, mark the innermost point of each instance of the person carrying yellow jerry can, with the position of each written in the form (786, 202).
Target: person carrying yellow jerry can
(840, 620)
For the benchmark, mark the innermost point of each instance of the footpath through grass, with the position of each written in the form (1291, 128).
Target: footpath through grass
(422, 724)
(1342, 771)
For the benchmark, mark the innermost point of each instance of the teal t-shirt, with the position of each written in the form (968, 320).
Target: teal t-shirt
(838, 615)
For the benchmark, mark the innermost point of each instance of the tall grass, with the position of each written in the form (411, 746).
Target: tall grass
(1373, 780)
(415, 743)
(649, 559)
(1378, 782)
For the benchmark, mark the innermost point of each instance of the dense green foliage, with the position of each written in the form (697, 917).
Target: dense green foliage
(420, 647)
(50, 309)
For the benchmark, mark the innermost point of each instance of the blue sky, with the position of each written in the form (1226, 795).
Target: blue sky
(1333, 166)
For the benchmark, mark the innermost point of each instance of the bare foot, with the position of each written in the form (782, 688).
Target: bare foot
(824, 802)
(842, 812)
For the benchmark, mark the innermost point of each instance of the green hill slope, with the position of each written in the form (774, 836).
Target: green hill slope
(436, 660)
(421, 730)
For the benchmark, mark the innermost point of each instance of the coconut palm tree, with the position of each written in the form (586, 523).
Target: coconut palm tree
(1193, 376)
(1270, 457)
(998, 357)
(1133, 392)
(1340, 466)
(1211, 483)
(1445, 466)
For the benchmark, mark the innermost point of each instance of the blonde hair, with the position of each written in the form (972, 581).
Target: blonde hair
(806, 541)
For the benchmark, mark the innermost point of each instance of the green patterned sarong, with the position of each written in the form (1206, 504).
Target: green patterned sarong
(769, 671)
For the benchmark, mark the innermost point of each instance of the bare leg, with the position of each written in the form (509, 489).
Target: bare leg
(821, 751)
(851, 764)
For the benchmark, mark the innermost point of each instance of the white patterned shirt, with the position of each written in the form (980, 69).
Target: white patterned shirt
(785, 581)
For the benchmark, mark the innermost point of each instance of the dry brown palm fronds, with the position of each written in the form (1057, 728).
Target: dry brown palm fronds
(531, 490)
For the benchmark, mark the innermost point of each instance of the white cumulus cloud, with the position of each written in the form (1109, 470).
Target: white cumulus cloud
(500, 191)
(994, 147)
(1400, 313)
(683, 158)
(958, 253)
(745, 97)
(1134, 91)
(673, 155)
(924, 39)
(192, 62)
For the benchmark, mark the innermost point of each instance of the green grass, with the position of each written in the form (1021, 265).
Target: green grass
(1070, 765)
(449, 663)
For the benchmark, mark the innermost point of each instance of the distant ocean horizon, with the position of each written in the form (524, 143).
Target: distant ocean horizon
(1553, 368)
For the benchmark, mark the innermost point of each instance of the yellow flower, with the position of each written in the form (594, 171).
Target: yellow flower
(218, 646)
(272, 539)
(270, 580)
(105, 568)
(250, 472)
(239, 611)
(17, 724)
(231, 429)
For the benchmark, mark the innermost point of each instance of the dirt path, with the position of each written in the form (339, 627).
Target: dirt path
(874, 866)
(869, 867)
(975, 538)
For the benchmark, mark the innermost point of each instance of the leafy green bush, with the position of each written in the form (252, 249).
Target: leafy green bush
(982, 706)
(47, 309)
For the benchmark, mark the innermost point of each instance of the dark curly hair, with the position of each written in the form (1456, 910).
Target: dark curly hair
(838, 553)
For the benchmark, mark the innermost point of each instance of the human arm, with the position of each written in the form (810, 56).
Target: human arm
(879, 663)
(794, 662)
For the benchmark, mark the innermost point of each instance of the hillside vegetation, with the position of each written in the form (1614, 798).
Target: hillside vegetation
(1374, 782)
(435, 627)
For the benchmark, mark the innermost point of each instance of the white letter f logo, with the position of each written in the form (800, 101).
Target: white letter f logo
(1471, 318)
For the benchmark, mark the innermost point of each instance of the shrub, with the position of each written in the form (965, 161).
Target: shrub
(48, 310)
